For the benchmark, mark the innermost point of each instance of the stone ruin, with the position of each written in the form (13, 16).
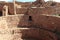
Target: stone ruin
(38, 21)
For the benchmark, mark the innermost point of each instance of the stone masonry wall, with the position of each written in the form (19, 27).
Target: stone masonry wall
(17, 20)
(42, 10)
(11, 22)
(49, 22)
(9, 28)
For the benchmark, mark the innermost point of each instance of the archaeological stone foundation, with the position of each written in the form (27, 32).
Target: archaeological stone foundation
(38, 20)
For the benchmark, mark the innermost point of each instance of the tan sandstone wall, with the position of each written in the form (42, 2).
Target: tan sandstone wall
(17, 20)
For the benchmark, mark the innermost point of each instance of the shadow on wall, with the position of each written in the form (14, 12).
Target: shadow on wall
(30, 34)
(1, 14)
(36, 34)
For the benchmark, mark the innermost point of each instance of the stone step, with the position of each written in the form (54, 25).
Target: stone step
(29, 39)
(24, 39)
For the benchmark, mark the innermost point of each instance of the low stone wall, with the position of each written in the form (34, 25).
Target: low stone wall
(42, 10)
(9, 23)
(17, 20)
(3, 23)
(12, 21)
(48, 22)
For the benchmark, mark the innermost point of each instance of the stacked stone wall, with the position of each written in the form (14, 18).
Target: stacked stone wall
(11, 22)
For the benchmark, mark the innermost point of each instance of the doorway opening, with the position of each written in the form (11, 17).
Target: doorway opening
(30, 18)
(1, 13)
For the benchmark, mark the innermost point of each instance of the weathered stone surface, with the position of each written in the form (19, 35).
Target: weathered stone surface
(44, 21)
(42, 27)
